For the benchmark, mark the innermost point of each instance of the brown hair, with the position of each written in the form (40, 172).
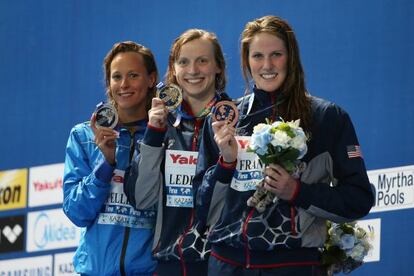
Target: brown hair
(149, 61)
(293, 88)
(188, 36)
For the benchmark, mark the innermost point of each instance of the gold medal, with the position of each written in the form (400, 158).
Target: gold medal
(171, 95)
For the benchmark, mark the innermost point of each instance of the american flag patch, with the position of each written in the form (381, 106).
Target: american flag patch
(354, 151)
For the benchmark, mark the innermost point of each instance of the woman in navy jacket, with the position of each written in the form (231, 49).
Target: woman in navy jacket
(169, 151)
(285, 238)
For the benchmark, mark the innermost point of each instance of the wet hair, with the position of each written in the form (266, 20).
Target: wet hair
(149, 62)
(190, 35)
(293, 88)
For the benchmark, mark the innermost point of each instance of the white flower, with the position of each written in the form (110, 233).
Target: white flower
(347, 241)
(281, 139)
(351, 240)
(282, 143)
(335, 235)
(259, 127)
(299, 143)
(358, 253)
(260, 139)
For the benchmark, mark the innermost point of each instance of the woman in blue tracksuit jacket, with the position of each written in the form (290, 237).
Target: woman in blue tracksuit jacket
(169, 153)
(116, 239)
(285, 238)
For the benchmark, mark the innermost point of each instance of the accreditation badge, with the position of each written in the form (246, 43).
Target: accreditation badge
(249, 168)
(180, 167)
(117, 210)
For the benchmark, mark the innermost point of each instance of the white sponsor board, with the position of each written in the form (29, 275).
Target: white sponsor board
(394, 189)
(63, 264)
(45, 185)
(50, 229)
(372, 226)
(33, 266)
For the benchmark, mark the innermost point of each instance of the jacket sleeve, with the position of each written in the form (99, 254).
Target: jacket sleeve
(144, 177)
(211, 179)
(350, 196)
(85, 188)
(211, 193)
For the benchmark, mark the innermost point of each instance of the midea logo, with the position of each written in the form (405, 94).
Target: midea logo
(46, 231)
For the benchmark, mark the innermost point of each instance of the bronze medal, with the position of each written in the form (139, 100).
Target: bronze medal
(225, 111)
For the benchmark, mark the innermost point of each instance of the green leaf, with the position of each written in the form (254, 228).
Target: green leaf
(290, 154)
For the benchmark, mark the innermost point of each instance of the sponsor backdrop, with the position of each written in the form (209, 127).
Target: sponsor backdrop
(355, 53)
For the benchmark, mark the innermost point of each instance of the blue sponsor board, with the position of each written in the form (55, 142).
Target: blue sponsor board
(179, 191)
(249, 175)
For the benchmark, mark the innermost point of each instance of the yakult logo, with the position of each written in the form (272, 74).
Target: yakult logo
(45, 185)
(118, 179)
(183, 160)
(243, 143)
(48, 185)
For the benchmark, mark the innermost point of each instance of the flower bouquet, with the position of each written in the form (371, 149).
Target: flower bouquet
(282, 143)
(345, 247)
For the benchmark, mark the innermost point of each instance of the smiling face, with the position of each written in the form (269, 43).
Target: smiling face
(129, 83)
(195, 69)
(267, 61)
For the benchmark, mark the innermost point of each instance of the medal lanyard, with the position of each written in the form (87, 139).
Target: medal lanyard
(197, 118)
(275, 103)
(188, 112)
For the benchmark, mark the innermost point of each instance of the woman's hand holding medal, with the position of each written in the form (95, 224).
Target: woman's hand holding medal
(158, 113)
(105, 139)
(225, 116)
(171, 95)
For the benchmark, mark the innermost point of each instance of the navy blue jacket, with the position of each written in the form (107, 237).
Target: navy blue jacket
(333, 187)
(177, 235)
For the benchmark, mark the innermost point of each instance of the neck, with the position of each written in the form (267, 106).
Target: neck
(128, 116)
(197, 104)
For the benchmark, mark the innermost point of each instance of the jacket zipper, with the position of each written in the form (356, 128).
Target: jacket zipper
(127, 229)
(197, 126)
(180, 243)
(246, 246)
